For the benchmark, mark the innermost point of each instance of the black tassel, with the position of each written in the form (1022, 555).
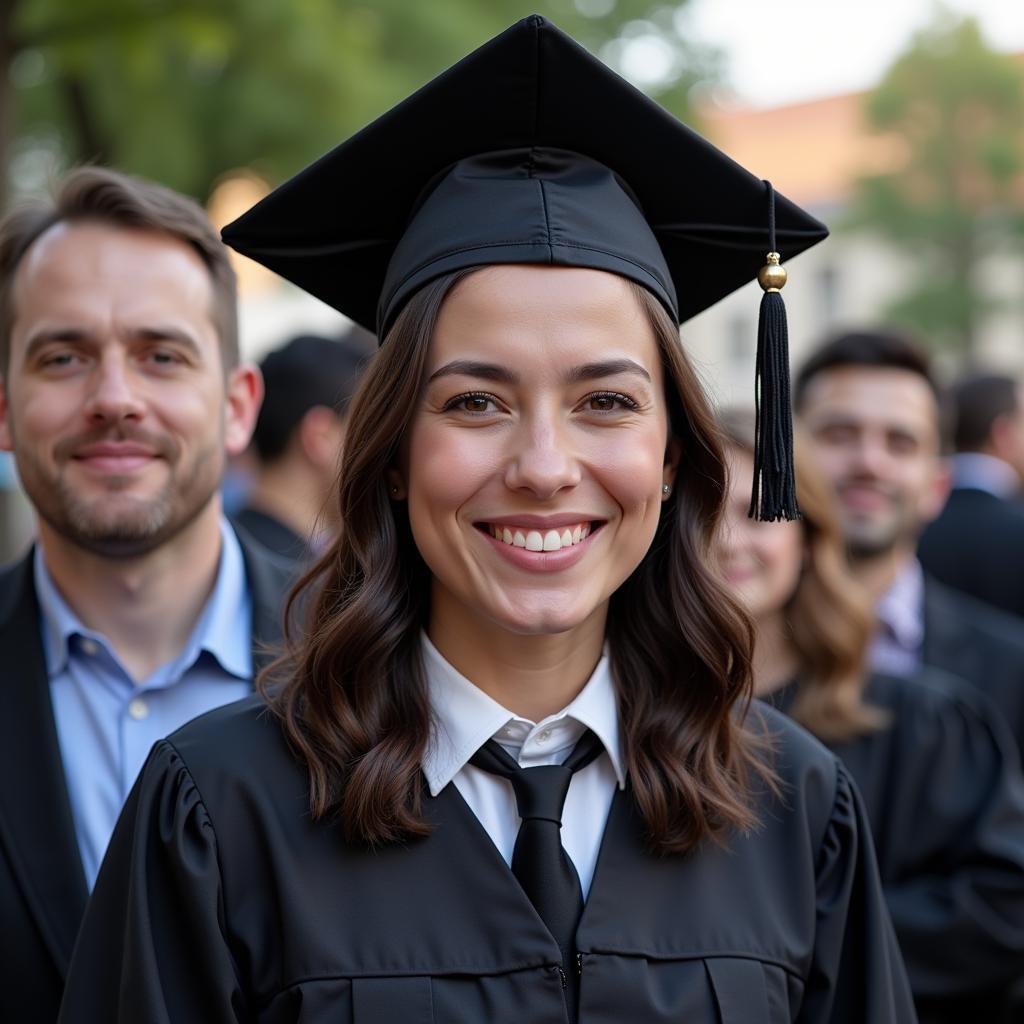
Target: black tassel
(773, 495)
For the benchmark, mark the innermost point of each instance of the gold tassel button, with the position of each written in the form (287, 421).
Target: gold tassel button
(772, 276)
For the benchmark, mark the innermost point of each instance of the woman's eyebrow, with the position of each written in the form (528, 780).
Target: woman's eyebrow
(608, 368)
(472, 368)
(504, 375)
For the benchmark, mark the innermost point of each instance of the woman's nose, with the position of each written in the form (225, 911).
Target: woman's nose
(542, 461)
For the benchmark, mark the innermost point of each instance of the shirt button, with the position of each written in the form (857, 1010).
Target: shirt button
(544, 735)
(138, 709)
(89, 646)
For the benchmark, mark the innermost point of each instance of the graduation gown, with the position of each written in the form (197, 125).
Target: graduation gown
(945, 799)
(220, 900)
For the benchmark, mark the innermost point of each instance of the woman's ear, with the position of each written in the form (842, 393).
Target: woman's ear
(396, 485)
(673, 452)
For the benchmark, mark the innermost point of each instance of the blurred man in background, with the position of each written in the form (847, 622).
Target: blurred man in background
(139, 607)
(977, 543)
(298, 440)
(870, 406)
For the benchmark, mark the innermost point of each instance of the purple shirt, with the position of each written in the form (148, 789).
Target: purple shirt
(896, 647)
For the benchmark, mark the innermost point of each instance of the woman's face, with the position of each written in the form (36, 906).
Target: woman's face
(535, 461)
(761, 561)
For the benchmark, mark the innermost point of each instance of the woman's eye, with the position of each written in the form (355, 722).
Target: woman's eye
(609, 401)
(474, 403)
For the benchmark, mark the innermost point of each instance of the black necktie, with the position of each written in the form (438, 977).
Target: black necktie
(539, 861)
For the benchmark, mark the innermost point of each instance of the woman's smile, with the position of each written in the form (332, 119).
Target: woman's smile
(534, 549)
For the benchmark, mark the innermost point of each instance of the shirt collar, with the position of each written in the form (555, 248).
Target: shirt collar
(465, 717)
(982, 472)
(900, 610)
(224, 628)
(59, 623)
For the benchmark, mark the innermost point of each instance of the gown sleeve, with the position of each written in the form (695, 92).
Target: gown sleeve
(951, 847)
(152, 945)
(857, 974)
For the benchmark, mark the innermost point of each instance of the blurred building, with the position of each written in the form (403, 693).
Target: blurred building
(813, 152)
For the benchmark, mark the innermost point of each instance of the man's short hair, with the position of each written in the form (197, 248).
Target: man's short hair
(976, 403)
(306, 372)
(881, 349)
(101, 195)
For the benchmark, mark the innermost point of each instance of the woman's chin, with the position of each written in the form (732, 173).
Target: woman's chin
(543, 620)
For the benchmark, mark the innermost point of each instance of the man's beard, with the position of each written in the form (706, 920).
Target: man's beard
(114, 525)
(866, 539)
(133, 529)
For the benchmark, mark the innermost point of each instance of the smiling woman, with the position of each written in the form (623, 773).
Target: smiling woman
(510, 770)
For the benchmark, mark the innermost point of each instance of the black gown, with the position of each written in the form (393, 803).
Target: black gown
(945, 799)
(221, 900)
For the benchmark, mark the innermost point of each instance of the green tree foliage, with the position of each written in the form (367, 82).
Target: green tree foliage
(184, 90)
(956, 110)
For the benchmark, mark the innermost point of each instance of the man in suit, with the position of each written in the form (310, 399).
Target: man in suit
(870, 407)
(139, 607)
(977, 543)
(298, 440)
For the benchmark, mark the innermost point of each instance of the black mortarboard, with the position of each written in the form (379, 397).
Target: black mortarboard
(529, 150)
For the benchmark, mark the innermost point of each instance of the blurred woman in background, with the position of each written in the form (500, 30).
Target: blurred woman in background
(938, 775)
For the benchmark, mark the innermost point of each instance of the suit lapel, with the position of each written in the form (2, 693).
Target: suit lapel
(36, 826)
(945, 645)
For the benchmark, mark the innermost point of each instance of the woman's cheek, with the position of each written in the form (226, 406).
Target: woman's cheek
(632, 474)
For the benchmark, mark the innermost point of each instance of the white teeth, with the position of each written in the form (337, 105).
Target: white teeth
(536, 540)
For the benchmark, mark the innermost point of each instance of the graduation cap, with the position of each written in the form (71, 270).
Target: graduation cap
(530, 150)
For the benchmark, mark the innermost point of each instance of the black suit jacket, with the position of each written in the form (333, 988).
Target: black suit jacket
(980, 644)
(977, 545)
(42, 884)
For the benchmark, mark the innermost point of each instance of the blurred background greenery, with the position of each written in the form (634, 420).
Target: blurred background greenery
(184, 90)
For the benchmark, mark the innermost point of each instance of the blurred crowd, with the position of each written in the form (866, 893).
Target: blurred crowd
(889, 619)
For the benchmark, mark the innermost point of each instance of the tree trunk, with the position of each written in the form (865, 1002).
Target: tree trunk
(91, 145)
(965, 269)
(7, 49)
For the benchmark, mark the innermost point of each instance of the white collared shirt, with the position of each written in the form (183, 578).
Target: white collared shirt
(465, 718)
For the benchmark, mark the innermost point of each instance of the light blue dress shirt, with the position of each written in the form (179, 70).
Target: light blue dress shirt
(106, 722)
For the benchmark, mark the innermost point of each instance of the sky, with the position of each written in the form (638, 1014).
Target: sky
(784, 51)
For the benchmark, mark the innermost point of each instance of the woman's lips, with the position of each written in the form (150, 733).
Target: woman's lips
(552, 560)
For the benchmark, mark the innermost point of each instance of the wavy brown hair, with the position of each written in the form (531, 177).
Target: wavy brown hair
(829, 618)
(351, 691)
